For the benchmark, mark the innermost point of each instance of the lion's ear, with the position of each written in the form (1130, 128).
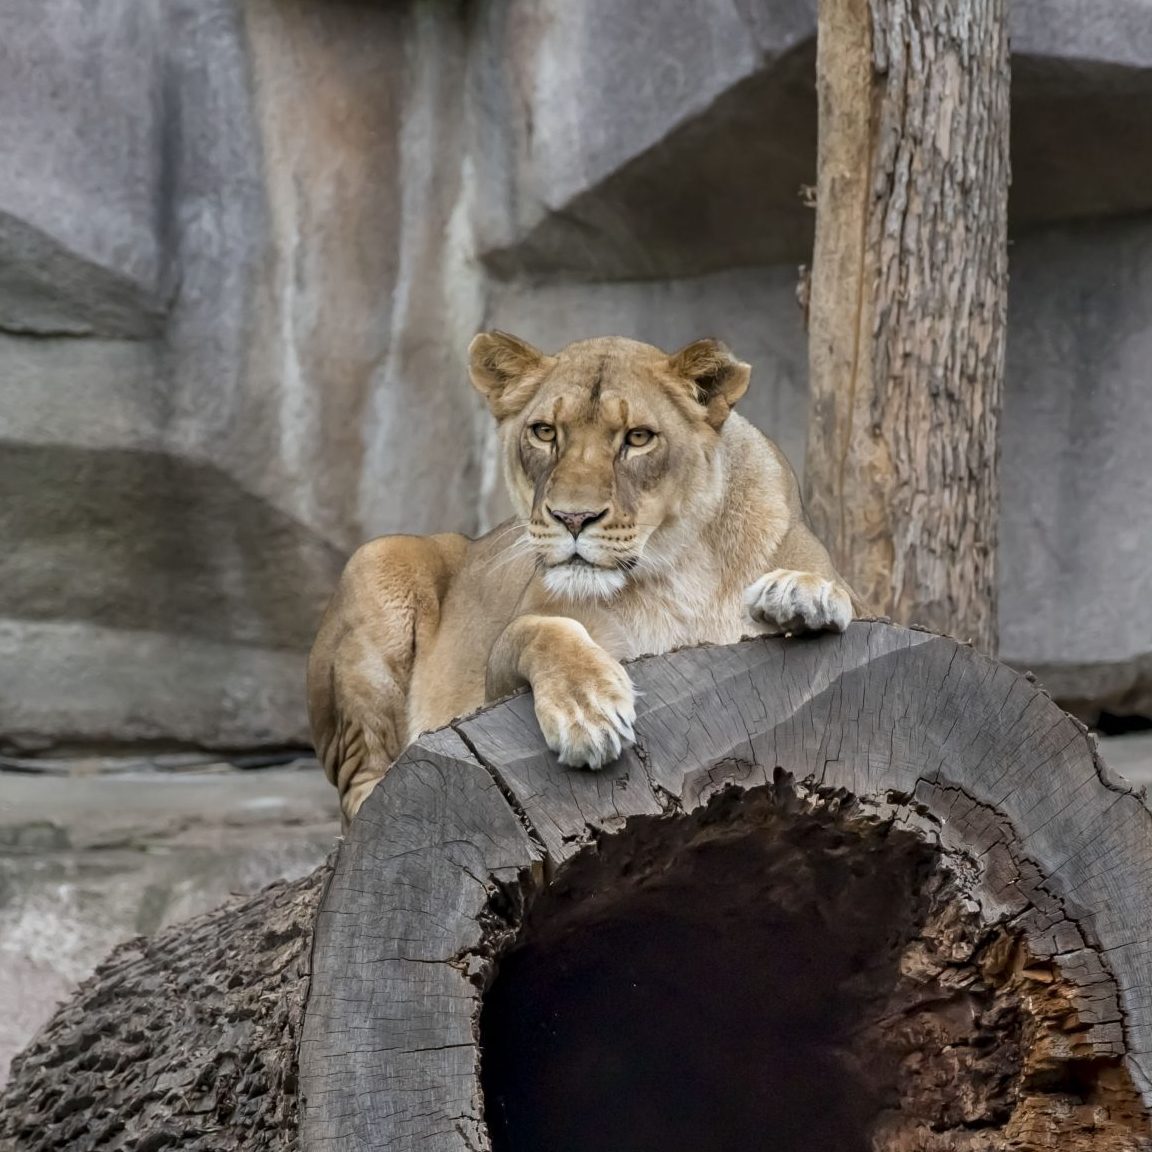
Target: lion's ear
(717, 378)
(504, 370)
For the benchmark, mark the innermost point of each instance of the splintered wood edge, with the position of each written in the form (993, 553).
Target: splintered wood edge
(430, 883)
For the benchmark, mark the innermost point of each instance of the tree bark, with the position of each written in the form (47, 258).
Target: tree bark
(859, 893)
(186, 1040)
(907, 305)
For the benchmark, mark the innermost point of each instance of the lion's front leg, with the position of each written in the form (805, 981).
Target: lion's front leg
(785, 600)
(585, 703)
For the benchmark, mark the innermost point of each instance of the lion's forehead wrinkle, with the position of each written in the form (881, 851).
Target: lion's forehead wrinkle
(614, 410)
(582, 409)
(614, 390)
(597, 386)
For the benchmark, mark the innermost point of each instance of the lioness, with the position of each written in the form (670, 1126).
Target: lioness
(650, 517)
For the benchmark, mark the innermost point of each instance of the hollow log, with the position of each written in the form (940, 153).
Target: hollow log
(860, 893)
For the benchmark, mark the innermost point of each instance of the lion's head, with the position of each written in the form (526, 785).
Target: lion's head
(610, 451)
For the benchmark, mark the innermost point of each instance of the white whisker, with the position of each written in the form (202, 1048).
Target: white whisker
(507, 530)
(520, 550)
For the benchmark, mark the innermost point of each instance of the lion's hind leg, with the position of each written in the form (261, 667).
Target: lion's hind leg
(385, 609)
(368, 725)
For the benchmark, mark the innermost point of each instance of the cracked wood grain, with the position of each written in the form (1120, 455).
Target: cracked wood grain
(562, 808)
(883, 709)
(997, 774)
(796, 754)
(388, 1057)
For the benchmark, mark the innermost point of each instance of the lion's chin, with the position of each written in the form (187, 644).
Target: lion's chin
(582, 581)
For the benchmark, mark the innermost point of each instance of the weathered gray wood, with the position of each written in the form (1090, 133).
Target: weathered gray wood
(791, 756)
(562, 810)
(388, 1056)
(946, 741)
(885, 709)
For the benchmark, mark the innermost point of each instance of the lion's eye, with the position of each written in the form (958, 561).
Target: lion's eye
(545, 433)
(639, 437)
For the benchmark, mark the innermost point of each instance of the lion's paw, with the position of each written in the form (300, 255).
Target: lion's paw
(786, 601)
(587, 713)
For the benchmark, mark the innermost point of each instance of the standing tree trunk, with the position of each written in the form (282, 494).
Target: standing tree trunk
(908, 303)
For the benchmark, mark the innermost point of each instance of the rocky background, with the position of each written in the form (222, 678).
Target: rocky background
(243, 245)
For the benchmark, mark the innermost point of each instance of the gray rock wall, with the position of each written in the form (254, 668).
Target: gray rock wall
(1077, 464)
(81, 203)
(243, 244)
(234, 297)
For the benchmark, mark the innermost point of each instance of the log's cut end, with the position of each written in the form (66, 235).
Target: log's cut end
(791, 966)
(871, 892)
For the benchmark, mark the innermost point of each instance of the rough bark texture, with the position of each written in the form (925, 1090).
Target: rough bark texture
(908, 302)
(186, 1040)
(859, 893)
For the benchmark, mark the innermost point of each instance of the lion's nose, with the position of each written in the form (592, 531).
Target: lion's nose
(576, 522)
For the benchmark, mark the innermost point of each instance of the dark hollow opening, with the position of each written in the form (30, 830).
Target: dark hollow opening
(701, 982)
(1109, 724)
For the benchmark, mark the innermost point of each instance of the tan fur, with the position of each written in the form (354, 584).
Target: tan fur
(695, 536)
